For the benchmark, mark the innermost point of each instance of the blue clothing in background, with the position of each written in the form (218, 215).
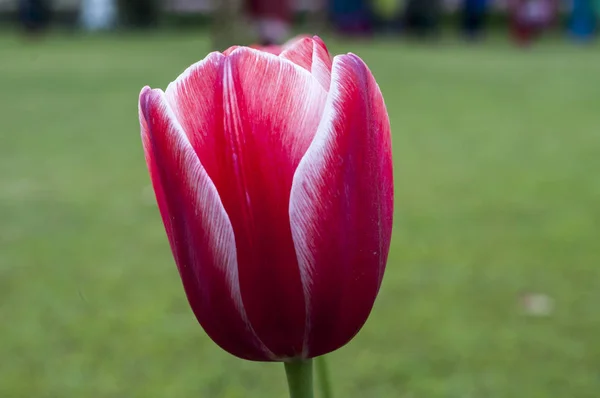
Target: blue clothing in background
(583, 19)
(477, 6)
(474, 15)
(350, 15)
(34, 15)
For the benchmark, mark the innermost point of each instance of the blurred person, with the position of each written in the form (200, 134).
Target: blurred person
(98, 14)
(529, 18)
(34, 15)
(272, 19)
(422, 17)
(351, 16)
(474, 14)
(583, 20)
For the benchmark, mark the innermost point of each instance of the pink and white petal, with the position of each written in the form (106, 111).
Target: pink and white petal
(230, 50)
(196, 98)
(294, 39)
(341, 208)
(311, 54)
(272, 110)
(199, 231)
(250, 116)
(271, 49)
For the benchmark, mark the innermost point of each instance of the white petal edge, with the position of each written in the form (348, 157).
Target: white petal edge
(223, 240)
(302, 195)
(318, 68)
(171, 91)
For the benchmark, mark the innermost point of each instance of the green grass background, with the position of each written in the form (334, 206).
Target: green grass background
(497, 167)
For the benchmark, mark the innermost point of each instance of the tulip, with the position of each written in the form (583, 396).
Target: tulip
(273, 177)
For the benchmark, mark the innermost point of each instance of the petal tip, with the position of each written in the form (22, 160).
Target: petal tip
(145, 99)
(144, 92)
(143, 102)
(230, 50)
(214, 57)
(318, 39)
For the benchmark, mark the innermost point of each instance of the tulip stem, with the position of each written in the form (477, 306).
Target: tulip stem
(300, 378)
(322, 371)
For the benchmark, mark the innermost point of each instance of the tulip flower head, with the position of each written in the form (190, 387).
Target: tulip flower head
(273, 177)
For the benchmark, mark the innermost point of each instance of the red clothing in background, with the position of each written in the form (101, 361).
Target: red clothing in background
(277, 9)
(529, 18)
(272, 19)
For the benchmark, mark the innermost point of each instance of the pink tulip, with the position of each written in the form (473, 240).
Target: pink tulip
(273, 176)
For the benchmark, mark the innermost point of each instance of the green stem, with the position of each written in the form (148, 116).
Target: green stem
(300, 378)
(323, 377)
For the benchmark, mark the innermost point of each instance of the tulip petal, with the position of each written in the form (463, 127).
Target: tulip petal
(199, 231)
(341, 208)
(250, 116)
(271, 48)
(230, 50)
(311, 54)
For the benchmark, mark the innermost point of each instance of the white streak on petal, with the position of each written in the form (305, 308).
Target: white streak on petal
(222, 237)
(303, 195)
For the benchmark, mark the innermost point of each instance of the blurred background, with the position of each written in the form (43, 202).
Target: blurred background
(493, 281)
